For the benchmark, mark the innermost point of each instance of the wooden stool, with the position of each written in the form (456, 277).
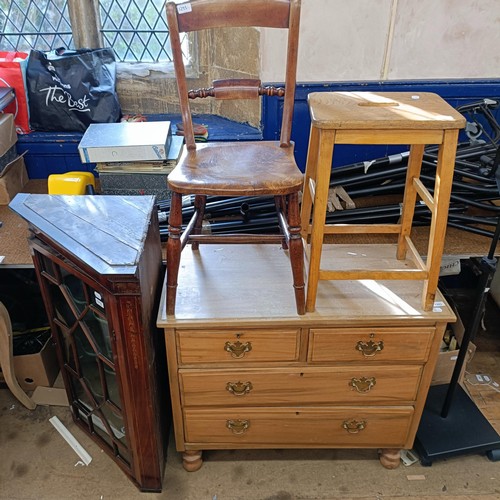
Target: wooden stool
(380, 118)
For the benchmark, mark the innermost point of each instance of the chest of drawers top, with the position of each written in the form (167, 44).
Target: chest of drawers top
(231, 285)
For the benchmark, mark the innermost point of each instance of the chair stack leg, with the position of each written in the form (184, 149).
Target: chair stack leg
(296, 250)
(199, 206)
(174, 248)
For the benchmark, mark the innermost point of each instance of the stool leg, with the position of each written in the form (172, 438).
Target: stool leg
(173, 249)
(296, 252)
(410, 197)
(323, 172)
(309, 178)
(442, 192)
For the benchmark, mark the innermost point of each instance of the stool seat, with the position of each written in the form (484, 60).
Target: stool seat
(382, 111)
(391, 118)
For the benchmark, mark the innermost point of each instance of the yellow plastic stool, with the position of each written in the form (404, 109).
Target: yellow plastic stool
(72, 183)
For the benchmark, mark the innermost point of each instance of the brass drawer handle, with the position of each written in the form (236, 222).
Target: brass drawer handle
(239, 388)
(354, 426)
(369, 348)
(363, 384)
(237, 349)
(238, 426)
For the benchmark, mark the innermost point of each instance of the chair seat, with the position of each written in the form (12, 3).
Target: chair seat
(247, 168)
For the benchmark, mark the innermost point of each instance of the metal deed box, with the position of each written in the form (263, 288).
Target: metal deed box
(125, 142)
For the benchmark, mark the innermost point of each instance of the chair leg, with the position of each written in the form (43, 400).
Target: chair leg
(199, 205)
(173, 249)
(296, 252)
(280, 204)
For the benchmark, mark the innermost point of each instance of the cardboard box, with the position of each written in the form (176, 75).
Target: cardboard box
(8, 136)
(39, 369)
(12, 180)
(125, 142)
(447, 359)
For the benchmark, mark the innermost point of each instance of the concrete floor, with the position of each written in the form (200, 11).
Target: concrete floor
(36, 463)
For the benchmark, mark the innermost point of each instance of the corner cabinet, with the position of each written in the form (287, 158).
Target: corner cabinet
(98, 262)
(246, 371)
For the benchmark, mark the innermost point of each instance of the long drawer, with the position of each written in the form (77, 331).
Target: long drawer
(219, 346)
(290, 427)
(370, 344)
(355, 384)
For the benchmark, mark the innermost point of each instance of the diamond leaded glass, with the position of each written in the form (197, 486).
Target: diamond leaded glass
(26, 24)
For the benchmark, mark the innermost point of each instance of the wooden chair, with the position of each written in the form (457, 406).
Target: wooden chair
(246, 168)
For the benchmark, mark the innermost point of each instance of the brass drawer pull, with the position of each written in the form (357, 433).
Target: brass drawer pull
(369, 348)
(363, 384)
(237, 349)
(354, 426)
(239, 388)
(238, 426)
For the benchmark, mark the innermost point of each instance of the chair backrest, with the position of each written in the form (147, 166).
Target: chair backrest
(195, 15)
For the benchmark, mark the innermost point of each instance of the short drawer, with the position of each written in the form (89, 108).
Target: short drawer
(370, 344)
(355, 384)
(295, 427)
(216, 346)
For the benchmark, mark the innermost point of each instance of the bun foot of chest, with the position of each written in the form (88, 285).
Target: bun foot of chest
(191, 460)
(390, 457)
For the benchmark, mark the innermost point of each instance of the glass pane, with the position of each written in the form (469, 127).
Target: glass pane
(98, 327)
(26, 24)
(48, 266)
(68, 348)
(124, 454)
(82, 395)
(89, 365)
(62, 309)
(112, 386)
(75, 290)
(116, 423)
(100, 429)
(136, 29)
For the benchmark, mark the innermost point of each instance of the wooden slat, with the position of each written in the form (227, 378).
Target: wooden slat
(362, 229)
(389, 137)
(422, 191)
(415, 256)
(374, 274)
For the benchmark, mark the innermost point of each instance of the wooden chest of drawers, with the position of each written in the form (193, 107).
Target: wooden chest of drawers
(246, 371)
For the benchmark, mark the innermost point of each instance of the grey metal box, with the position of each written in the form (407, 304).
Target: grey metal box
(125, 142)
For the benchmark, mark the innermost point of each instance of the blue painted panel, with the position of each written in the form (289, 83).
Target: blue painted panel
(57, 152)
(456, 93)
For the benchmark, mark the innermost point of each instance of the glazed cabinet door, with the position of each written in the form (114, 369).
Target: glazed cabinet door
(105, 357)
(78, 312)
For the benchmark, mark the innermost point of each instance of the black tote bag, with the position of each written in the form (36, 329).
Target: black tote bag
(70, 89)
